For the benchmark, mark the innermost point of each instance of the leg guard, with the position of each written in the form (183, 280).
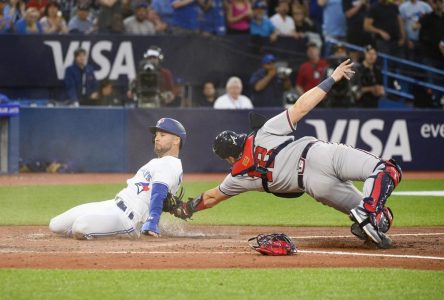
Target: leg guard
(380, 184)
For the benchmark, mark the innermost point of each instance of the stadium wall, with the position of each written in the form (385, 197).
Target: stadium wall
(118, 140)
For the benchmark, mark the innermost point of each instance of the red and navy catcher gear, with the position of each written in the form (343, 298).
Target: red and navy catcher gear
(275, 244)
(171, 126)
(386, 177)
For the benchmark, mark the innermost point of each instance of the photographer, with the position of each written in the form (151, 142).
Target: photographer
(269, 83)
(341, 94)
(154, 85)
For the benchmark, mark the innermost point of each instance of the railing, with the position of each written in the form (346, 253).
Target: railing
(426, 71)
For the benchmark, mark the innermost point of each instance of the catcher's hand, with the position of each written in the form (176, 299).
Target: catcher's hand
(186, 209)
(172, 202)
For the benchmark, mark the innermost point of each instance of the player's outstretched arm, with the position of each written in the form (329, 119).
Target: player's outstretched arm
(311, 98)
(206, 200)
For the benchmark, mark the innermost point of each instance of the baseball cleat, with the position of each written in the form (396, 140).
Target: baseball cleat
(357, 231)
(365, 221)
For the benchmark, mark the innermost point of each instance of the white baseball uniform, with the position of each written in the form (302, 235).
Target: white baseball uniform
(124, 215)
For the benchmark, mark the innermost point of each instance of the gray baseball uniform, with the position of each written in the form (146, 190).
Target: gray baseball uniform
(328, 169)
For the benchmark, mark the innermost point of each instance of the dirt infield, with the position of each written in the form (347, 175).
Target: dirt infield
(200, 247)
(190, 246)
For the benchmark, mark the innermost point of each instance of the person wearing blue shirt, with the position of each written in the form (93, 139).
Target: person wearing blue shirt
(212, 17)
(29, 24)
(163, 9)
(260, 24)
(185, 15)
(267, 85)
(80, 82)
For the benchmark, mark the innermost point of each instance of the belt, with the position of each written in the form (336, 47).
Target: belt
(301, 166)
(120, 204)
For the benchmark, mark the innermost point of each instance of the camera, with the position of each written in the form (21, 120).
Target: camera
(284, 72)
(148, 84)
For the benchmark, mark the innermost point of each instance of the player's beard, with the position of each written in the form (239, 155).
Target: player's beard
(160, 150)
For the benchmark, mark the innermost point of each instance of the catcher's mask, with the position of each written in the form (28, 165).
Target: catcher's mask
(229, 143)
(171, 126)
(275, 244)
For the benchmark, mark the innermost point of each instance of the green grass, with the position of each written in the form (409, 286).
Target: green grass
(37, 204)
(222, 284)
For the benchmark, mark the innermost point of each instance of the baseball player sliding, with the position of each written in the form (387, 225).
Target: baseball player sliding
(274, 160)
(141, 201)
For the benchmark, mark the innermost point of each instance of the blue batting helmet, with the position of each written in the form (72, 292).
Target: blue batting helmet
(171, 126)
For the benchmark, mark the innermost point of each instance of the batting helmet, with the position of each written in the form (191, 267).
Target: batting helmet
(229, 143)
(171, 126)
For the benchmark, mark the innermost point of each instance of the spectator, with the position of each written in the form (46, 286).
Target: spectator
(138, 23)
(233, 98)
(283, 23)
(15, 9)
(80, 82)
(40, 5)
(80, 23)
(411, 12)
(267, 86)
(182, 96)
(311, 72)
(334, 25)
(53, 22)
(212, 17)
(110, 18)
(159, 25)
(431, 36)
(260, 24)
(5, 21)
(369, 80)
(384, 22)
(164, 9)
(209, 95)
(106, 95)
(304, 26)
(355, 12)
(316, 14)
(29, 24)
(185, 14)
(341, 94)
(238, 16)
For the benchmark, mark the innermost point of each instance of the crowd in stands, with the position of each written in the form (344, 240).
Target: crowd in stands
(411, 29)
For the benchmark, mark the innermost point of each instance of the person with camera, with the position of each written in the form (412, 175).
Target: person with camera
(341, 94)
(269, 83)
(369, 80)
(154, 84)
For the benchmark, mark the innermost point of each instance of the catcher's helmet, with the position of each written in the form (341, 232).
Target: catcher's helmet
(171, 126)
(229, 143)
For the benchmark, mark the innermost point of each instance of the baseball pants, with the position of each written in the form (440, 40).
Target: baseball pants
(330, 170)
(96, 219)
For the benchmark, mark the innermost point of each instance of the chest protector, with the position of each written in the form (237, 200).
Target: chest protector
(249, 164)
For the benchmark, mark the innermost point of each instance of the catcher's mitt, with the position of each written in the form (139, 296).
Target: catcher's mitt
(274, 244)
(172, 202)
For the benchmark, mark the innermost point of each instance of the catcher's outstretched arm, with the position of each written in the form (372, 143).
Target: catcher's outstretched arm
(206, 200)
(212, 197)
(311, 98)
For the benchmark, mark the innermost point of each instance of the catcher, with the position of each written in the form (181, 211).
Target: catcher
(272, 159)
(137, 208)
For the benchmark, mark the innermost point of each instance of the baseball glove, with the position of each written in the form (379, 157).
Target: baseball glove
(275, 244)
(173, 202)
